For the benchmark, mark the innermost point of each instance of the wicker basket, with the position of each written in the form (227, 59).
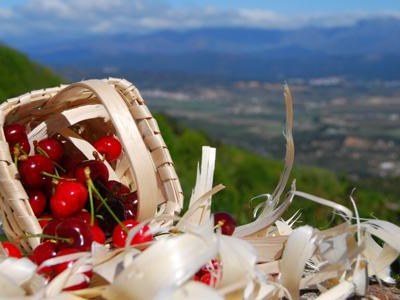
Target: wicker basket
(77, 112)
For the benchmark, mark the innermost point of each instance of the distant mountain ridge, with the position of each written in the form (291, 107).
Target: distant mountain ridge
(368, 49)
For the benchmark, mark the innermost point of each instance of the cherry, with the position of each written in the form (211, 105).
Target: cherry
(49, 230)
(51, 147)
(32, 168)
(11, 249)
(226, 222)
(98, 171)
(85, 216)
(130, 203)
(69, 198)
(14, 133)
(117, 188)
(109, 147)
(213, 266)
(107, 222)
(63, 266)
(98, 234)
(44, 220)
(20, 147)
(42, 252)
(120, 234)
(208, 279)
(77, 232)
(38, 202)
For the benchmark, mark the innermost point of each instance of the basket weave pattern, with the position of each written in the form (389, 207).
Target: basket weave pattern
(77, 112)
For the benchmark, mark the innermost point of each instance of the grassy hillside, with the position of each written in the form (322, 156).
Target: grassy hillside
(246, 175)
(18, 74)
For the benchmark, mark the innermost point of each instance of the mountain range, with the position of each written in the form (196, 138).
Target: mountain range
(368, 49)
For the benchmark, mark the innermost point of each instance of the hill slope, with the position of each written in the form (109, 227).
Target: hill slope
(246, 175)
(18, 74)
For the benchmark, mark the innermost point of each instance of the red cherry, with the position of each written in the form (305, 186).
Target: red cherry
(50, 229)
(85, 216)
(11, 249)
(213, 266)
(98, 234)
(14, 132)
(52, 147)
(44, 251)
(31, 170)
(63, 266)
(68, 199)
(119, 234)
(208, 279)
(38, 202)
(226, 222)
(44, 220)
(98, 171)
(77, 232)
(109, 147)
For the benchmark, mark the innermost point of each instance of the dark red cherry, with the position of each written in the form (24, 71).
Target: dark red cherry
(69, 198)
(49, 229)
(109, 147)
(21, 147)
(11, 250)
(98, 171)
(32, 168)
(77, 232)
(14, 132)
(44, 251)
(119, 234)
(51, 147)
(38, 201)
(130, 203)
(225, 221)
(107, 222)
(117, 188)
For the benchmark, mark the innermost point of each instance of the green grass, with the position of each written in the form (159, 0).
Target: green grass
(246, 175)
(18, 74)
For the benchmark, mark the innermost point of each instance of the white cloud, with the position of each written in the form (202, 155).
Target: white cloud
(44, 18)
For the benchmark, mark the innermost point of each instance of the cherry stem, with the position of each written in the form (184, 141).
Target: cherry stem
(92, 187)
(58, 177)
(91, 207)
(48, 236)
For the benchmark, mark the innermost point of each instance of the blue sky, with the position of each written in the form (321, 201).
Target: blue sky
(24, 20)
(298, 6)
(281, 6)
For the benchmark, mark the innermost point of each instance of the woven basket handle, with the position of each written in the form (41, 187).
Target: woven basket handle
(139, 157)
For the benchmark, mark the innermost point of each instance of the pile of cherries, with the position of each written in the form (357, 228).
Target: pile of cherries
(72, 197)
(77, 204)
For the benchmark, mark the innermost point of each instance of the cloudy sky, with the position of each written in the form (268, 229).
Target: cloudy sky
(22, 20)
